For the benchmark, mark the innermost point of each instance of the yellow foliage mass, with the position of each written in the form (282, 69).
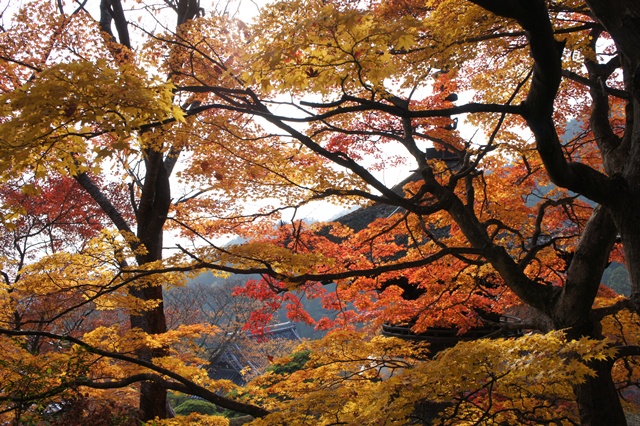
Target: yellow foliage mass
(379, 381)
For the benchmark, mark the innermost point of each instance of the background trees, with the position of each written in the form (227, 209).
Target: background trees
(221, 128)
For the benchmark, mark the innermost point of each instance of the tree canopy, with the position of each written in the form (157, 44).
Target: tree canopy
(136, 139)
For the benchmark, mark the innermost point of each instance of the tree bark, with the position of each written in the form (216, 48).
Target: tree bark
(151, 215)
(621, 18)
(598, 401)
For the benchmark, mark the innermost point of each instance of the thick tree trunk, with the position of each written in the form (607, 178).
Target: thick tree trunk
(629, 226)
(151, 212)
(153, 396)
(621, 18)
(618, 189)
(151, 215)
(598, 400)
(153, 401)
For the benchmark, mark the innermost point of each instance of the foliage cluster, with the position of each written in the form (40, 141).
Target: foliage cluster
(130, 152)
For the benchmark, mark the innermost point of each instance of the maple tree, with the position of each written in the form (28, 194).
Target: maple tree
(79, 110)
(208, 127)
(387, 381)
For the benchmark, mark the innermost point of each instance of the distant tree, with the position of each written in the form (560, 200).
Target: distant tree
(214, 304)
(295, 362)
(196, 406)
(618, 280)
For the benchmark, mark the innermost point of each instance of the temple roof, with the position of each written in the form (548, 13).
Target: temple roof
(237, 359)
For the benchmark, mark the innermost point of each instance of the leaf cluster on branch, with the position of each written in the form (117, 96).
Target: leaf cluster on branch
(131, 152)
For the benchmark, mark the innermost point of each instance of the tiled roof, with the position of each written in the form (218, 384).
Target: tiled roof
(235, 359)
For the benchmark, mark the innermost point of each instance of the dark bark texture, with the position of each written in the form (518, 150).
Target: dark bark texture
(151, 213)
(617, 190)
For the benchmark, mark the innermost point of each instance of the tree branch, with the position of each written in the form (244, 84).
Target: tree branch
(328, 277)
(546, 52)
(183, 384)
(105, 204)
(600, 313)
(625, 351)
(622, 94)
(111, 10)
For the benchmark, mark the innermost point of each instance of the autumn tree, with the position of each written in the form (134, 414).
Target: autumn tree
(86, 195)
(384, 74)
(220, 128)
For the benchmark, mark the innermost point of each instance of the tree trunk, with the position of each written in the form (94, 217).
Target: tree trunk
(598, 400)
(152, 212)
(621, 18)
(618, 190)
(153, 396)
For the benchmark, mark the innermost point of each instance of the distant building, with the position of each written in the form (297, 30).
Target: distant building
(242, 359)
